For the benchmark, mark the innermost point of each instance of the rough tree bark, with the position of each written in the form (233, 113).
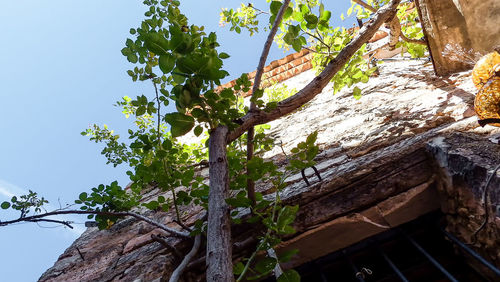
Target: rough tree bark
(219, 251)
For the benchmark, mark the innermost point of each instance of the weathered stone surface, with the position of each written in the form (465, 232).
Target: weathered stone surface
(472, 25)
(466, 162)
(371, 150)
(346, 230)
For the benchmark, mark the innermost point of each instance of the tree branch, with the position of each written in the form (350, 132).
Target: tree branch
(164, 243)
(180, 269)
(66, 223)
(410, 40)
(256, 85)
(365, 5)
(218, 259)
(398, 25)
(318, 83)
(40, 217)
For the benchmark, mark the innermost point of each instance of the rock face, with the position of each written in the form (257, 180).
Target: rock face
(470, 25)
(376, 173)
(473, 209)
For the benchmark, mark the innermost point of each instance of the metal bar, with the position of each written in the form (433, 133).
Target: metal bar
(317, 173)
(323, 277)
(472, 252)
(304, 175)
(392, 265)
(431, 259)
(358, 274)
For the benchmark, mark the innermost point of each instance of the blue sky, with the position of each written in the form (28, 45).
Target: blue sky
(61, 70)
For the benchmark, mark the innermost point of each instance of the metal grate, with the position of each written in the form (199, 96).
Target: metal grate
(416, 251)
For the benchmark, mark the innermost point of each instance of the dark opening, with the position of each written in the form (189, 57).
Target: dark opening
(415, 251)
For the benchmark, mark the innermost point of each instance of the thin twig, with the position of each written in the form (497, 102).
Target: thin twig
(164, 242)
(66, 223)
(80, 253)
(180, 269)
(160, 146)
(317, 38)
(314, 51)
(258, 10)
(404, 37)
(184, 226)
(159, 116)
(410, 40)
(132, 214)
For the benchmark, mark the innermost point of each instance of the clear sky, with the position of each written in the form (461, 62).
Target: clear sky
(61, 70)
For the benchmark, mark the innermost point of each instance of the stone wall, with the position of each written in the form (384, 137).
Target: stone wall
(372, 157)
(468, 26)
(465, 162)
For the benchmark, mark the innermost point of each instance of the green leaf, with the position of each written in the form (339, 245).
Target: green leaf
(132, 58)
(312, 138)
(311, 19)
(288, 13)
(356, 93)
(223, 55)
(265, 265)
(297, 164)
(83, 197)
(140, 111)
(166, 63)
(156, 43)
(325, 15)
(238, 268)
(297, 15)
(289, 276)
(239, 202)
(275, 7)
(177, 76)
(198, 130)
(153, 205)
(287, 255)
(180, 123)
(5, 205)
(288, 38)
(285, 217)
(297, 45)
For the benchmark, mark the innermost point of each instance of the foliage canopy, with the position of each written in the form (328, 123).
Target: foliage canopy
(185, 67)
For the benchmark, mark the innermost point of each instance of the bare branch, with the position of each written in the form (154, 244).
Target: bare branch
(184, 226)
(318, 83)
(180, 269)
(66, 223)
(415, 41)
(265, 50)
(41, 217)
(400, 33)
(256, 85)
(164, 243)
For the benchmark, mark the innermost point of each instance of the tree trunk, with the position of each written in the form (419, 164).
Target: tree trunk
(219, 248)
